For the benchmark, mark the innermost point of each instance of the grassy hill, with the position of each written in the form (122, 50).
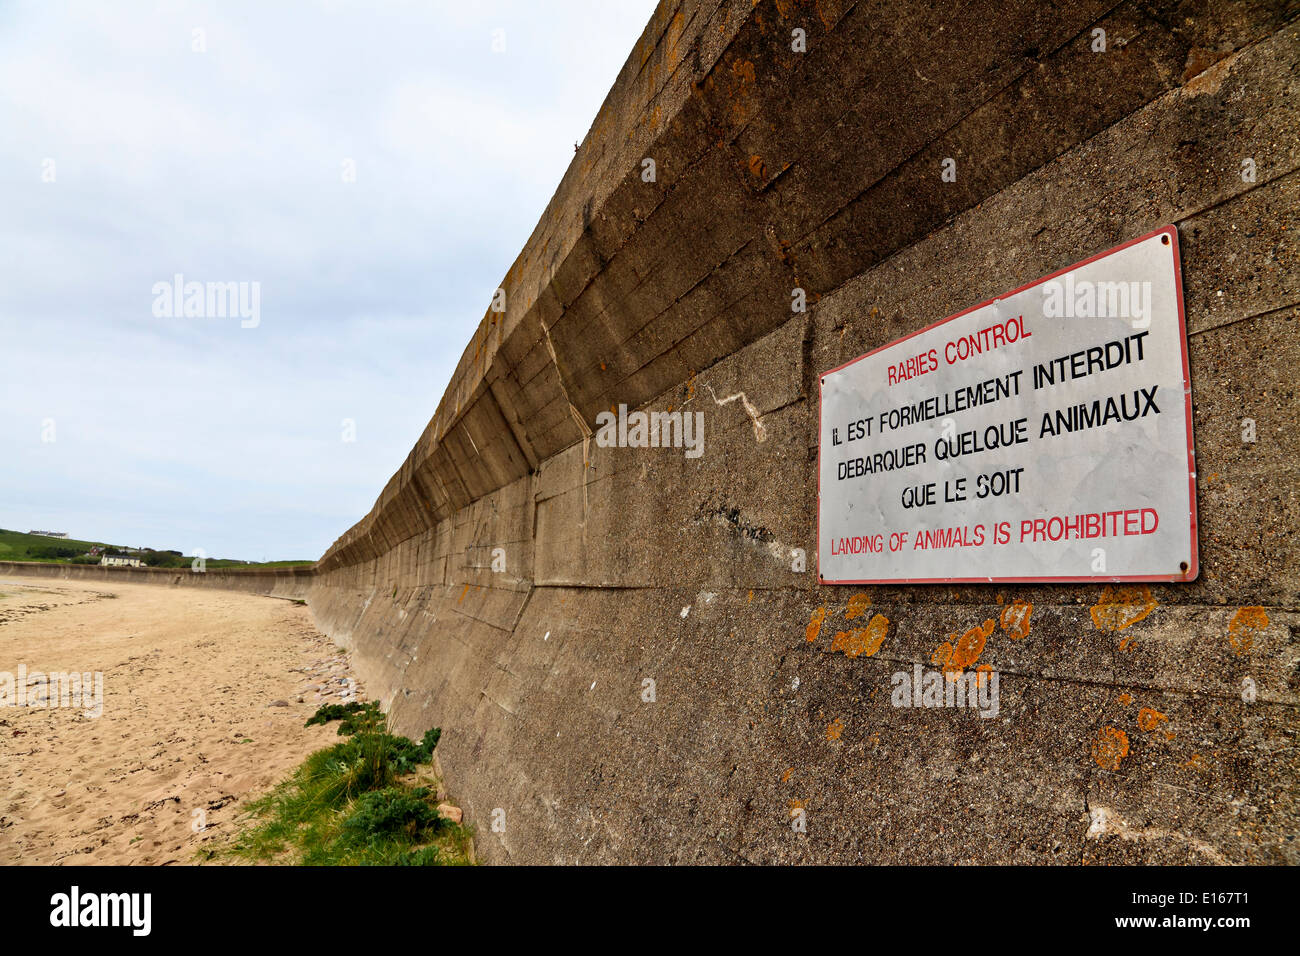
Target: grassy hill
(18, 546)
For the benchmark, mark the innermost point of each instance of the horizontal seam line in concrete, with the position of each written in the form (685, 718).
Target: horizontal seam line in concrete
(1210, 207)
(1110, 685)
(1267, 313)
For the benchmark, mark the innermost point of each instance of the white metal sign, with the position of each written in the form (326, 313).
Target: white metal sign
(1045, 435)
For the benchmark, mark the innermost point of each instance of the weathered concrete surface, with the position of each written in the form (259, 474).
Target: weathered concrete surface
(1124, 734)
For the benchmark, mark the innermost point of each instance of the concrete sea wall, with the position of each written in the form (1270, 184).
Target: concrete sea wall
(1124, 733)
(274, 582)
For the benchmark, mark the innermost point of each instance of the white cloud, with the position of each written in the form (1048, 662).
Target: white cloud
(225, 165)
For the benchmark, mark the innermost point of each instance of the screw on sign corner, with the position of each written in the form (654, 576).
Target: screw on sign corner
(1164, 240)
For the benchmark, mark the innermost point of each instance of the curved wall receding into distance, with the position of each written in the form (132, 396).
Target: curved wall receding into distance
(1123, 733)
(289, 583)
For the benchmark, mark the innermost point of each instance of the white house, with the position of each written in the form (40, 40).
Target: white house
(120, 560)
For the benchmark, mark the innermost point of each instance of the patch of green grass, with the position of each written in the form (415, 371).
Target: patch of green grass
(353, 805)
(353, 716)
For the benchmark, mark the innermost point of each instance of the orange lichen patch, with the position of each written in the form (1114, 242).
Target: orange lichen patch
(1203, 74)
(1126, 699)
(1128, 643)
(743, 103)
(1241, 643)
(815, 624)
(1015, 619)
(785, 777)
(835, 728)
(751, 596)
(858, 605)
(652, 119)
(1197, 762)
(943, 653)
(1119, 608)
(1149, 719)
(462, 594)
(675, 36)
(756, 167)
(862, 640)
(1255, 618)
(967, 650)
(1110, 747)
(744, 71)
(1242, 628)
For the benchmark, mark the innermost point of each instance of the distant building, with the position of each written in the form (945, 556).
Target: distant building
(50, 534)
(120, 560)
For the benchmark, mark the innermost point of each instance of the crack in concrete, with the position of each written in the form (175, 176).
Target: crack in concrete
(760, 431)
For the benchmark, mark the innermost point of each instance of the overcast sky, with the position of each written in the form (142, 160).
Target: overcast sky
(217, 141)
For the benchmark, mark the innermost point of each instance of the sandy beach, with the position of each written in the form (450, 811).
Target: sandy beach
(204, 697)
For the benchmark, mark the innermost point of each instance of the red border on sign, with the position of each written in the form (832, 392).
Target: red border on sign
(1183, 576)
